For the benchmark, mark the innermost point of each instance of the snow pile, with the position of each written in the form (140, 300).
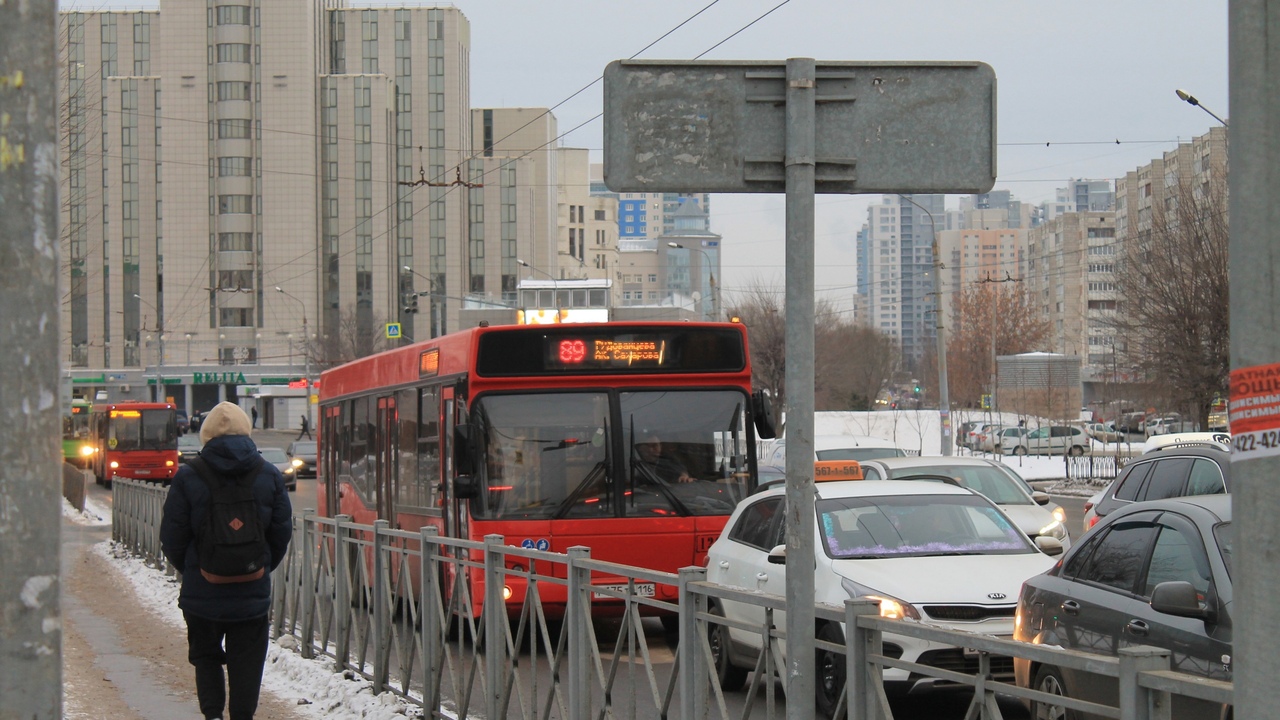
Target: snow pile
(94, 514)
(317, 689)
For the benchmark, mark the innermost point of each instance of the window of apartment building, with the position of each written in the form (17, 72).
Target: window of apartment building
(239, 280)
(235, 317)
(235, 204)
(235, 166)
(600, 215)
(653, 277)
(233, 14)
(235, 241)
(234, 129)
(233, 52)
(573, 213)
(234, 91)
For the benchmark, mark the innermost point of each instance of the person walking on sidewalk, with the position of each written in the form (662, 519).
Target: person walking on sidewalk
(254, 411)
(220, 609)
(306, 428)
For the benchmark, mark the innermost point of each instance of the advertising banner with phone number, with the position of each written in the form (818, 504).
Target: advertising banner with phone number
(1255, 410)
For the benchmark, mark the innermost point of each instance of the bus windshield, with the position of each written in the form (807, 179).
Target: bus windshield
(143, 430)
(566, 454)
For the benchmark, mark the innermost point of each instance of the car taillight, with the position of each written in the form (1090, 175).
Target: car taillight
(1088, 506)
(1094, 520)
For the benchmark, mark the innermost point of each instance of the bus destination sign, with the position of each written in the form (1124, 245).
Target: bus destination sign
(601, 351)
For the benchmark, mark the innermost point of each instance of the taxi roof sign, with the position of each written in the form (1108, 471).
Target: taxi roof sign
(834, 470)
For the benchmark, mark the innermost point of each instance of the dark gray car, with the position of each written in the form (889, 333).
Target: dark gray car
(1172, 471)
(1155, 573)
(305, 451)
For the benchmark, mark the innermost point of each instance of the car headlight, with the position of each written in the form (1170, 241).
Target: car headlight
(297, 463)
(288, 470)
(1059, 514)
(1054, 529)
(890, 607)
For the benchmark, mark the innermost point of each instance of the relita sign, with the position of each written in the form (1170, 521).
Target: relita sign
(218, 378)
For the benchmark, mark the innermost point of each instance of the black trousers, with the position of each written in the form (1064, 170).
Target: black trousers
(244, 653)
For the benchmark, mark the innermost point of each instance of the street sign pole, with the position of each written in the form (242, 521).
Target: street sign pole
(799, 377)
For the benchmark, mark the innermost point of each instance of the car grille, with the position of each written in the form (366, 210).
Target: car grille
(955, 660)
(969, 613)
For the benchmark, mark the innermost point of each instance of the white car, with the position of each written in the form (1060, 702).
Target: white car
(996, 439)
(1050, 440)
(1030, 509)
(839, 447)
(931, 552)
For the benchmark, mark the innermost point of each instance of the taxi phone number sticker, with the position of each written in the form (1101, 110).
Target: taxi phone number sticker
(1255, 410)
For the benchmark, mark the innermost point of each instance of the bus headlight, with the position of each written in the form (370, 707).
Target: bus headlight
(86, 450)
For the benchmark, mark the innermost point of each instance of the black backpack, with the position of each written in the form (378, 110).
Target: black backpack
(231, 544)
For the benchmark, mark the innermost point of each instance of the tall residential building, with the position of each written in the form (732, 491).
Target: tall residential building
(897, 283)
(319, 172)
(974, 256)
(649, 215)
(678, 270)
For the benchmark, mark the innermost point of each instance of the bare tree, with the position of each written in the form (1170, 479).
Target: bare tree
(1173, 276)
(349, 340)
(760, 309)
(991, 319)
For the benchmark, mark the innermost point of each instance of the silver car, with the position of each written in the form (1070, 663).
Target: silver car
(283, 463)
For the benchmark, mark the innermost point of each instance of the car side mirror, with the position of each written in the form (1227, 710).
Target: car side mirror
(778, 555)
(1178, 597)
(1040, 497)
(1050, 546)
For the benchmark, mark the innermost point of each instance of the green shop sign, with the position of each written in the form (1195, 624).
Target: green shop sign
(218, 378)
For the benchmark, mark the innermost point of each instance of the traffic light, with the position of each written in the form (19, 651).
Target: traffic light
(917, 389)
(411, 303)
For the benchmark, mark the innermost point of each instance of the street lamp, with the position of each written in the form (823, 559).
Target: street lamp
(715, 292)
(437, 325)
(160, 359)
(306, 351)
(1190, 99)
(555, 284)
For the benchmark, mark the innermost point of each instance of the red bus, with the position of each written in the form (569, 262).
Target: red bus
(531, 432)
(133, 440)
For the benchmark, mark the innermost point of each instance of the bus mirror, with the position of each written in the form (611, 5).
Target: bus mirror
(463, 452)
(762, 409)
(465, 487)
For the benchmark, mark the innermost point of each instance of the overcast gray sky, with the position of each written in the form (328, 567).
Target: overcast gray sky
(1078, 76)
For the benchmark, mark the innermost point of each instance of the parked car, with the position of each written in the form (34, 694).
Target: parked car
(966, 428)
(932, 552)
(283, 463)
(303, 455)
(840, 447)
(1171, 423)
(189, 446)
(995, 440)
(971, 439)
(1170, 471)
(1104, 432)
(1156, 442)
(1050, 440)
(1030, 509)
(1132, 423)
(184, 423)
(1155, 573)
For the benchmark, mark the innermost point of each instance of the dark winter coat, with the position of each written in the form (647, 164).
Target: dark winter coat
(184, 511)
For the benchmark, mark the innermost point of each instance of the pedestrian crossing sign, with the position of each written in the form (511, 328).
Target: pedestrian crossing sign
(393, 331)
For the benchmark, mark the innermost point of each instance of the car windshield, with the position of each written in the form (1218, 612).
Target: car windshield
(274, 455)
(304, 448)
(1225, 535)
(916, 526)
(189, 442)
(859, 454)
(986, 479)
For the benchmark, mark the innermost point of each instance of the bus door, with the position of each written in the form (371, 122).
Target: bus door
(387, 456)
(455, 523)
(330, 446)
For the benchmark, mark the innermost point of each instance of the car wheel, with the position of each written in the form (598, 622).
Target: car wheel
(1049, 680)
(731, 678)
(1020, 450)
(831, 672)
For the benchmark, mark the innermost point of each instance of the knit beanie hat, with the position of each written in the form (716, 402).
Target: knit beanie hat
(224, 419)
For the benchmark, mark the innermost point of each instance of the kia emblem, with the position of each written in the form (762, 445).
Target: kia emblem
(996, 596)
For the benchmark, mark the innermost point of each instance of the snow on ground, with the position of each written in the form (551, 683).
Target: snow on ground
(318, 690)
(94, 514)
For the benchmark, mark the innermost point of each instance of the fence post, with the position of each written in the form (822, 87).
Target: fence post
(495, 622)
(431, 600)
(861, 677)
(578, 625)
(308, 599)
(381, 616)
(342, 602)
(694, 675)
(1135, 700)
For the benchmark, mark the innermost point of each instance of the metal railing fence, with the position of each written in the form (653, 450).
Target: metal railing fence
(384, 604)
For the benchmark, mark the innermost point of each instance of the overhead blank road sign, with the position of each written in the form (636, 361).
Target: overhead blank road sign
(882, 127)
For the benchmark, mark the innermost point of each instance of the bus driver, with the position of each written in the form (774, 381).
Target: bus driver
(660, 466)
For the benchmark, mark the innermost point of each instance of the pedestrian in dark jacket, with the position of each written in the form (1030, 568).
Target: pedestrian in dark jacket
(234, 613)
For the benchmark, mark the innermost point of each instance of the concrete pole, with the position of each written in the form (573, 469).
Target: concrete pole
(1254, 153)
(801, 147)
(30, 453)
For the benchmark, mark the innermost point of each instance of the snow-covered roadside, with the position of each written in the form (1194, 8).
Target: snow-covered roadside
(318, 691)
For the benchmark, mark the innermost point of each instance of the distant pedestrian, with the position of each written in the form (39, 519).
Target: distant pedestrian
(226, 593)
(306, 428)
(254, 411)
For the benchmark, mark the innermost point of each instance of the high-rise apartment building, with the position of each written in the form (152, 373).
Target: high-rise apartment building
(650, 215)
(1070, 276)
(249, 183)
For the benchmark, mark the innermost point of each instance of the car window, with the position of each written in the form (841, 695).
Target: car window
(870, 473)
(989, 481)
(859, 454)
(755, 524)
(1128, 487)
(1074, 564)
(916, 525)
(1225, 534)
(274, 455)
(1168, 479)
(1206, 478)
(1176, 556)
(1118, 559)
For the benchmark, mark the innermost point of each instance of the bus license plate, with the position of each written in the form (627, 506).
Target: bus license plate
(143, 472)
(641, 590)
